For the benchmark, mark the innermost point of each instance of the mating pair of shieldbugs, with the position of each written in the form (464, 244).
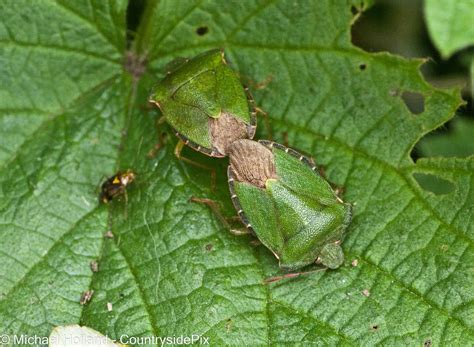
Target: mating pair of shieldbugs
(278, 193)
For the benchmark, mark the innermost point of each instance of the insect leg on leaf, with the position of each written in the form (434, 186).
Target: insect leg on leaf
(214, 206)
(177, 152)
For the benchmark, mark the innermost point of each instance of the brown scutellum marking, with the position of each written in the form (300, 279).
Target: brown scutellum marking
(227, 129)
(252, 162)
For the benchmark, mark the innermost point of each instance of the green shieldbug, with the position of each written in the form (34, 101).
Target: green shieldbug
(281, 198)
(205, 103)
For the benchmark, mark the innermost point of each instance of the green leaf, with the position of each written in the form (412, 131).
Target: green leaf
(455, 143)
(450, 24)
(71, 113)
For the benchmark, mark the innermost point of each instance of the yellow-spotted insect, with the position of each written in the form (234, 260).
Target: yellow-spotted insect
(116, 185)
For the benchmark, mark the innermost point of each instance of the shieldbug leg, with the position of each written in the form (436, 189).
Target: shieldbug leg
(149, 106)
(161, 120)
(161, 139)
(339, 191)
(257, 110)
(234, 218)
(266, 121)
(290, 275)
(256, 85)
(285, 138)
(322, 172)
(239, 232)
(160, 144)
(177, 152)
(320, 168)
(217, 211)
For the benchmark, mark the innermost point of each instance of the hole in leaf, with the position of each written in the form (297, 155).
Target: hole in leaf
(427, 343)
(434, 184)
(201, 31)
(415, 102)
(135, 11)
(452, 139)
(362, 67)
(375, 327)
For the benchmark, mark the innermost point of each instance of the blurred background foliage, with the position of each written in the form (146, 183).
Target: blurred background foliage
(400, 27)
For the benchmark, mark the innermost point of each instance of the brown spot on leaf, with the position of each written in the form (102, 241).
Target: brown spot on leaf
(135, 65)
(263, 84)
(86, 297)
(94, 265)
(109, 235)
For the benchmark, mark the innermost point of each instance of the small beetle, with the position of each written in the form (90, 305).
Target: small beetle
(116, 185)
(281, 198)
(205, 103)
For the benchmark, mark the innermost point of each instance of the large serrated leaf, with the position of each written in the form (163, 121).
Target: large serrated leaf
(450, 24)
(171, 268)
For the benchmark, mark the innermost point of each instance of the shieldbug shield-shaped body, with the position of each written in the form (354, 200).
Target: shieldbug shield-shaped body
(281, 198)
(205, 103)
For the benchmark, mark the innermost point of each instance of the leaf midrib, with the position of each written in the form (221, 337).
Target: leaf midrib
(131, 100)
